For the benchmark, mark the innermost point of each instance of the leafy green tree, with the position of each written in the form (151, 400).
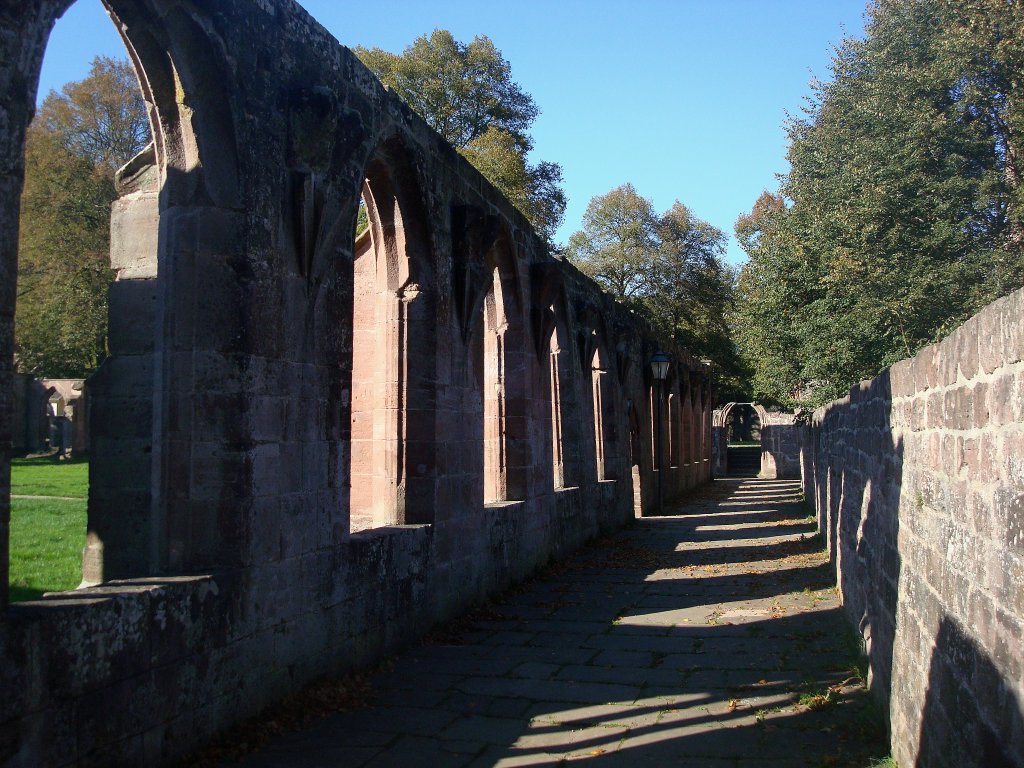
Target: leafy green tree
(101, 118)
(63, 260)
(691, 294)
(467, 94)
(460, 89)
(667, 267)
(533, 189)
(73, 146)
(617, 242)
(900, 216)
(770, 289)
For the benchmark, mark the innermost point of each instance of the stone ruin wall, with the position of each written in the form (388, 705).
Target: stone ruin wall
(29, 415)
(32, 414)
(782, 436)
(918, 481)
(234, 566)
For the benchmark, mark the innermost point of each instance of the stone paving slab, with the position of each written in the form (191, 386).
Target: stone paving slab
(621, 675)
(708, 637)
(489, 706)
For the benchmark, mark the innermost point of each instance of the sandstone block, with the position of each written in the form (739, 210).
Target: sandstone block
(134, 231)
(1011, 309)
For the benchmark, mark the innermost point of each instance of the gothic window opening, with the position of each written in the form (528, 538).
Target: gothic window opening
(671, 432)
(565, 435)
(392, 450)
(604, 418)
(555, 354)
(495, 413)
(503, 379)
(142, 515)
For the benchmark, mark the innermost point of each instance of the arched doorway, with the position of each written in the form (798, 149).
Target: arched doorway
(746, 434)
(738, 450)
(178, 192)
(743, 441)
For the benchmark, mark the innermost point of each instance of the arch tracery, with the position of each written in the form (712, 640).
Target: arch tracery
(393, 345)
(263, 305)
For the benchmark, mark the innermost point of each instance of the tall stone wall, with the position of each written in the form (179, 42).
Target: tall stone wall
(918, 481)
(258, 517)
(29, 422)
(782, 437)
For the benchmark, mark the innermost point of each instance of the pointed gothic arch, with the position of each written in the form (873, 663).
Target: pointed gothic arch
(393, 351)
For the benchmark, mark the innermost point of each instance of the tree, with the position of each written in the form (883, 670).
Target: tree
(900, 216)
(691, 294)
(466, 93)
(667, 267)
(460, 90)
(63, 260)
(769, 292)
(73, 146)
(101, 118)
(533, 189)
(617, 242)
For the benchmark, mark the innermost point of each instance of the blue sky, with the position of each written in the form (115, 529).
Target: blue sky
(684, 99)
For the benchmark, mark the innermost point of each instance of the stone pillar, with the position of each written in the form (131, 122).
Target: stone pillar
(719, 441)
(123, 536)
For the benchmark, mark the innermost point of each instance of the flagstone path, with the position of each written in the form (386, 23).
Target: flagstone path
(711, 636)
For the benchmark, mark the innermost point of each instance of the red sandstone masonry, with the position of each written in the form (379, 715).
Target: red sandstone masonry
(259, 517)
(918, 479)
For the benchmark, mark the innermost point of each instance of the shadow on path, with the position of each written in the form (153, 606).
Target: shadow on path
(708, 637)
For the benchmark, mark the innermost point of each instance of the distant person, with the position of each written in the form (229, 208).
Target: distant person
(63, 429)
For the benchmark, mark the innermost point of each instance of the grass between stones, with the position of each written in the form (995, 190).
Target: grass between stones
(47, 534)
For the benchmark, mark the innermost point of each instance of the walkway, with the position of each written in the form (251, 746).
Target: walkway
(711, 637)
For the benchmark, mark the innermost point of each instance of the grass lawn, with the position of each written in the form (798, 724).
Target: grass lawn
(47, 535)
(47, 477)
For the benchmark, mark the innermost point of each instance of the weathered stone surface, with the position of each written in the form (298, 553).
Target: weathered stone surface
(527, 684)
(349, 440)
(134, 227)
(922, 516)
